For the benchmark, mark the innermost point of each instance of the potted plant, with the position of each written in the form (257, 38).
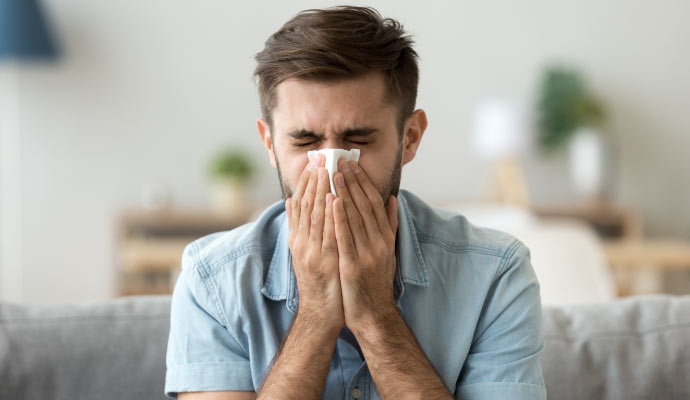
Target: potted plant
(568, 115)
(231, 171)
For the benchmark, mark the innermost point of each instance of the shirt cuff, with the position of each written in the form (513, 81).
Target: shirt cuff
(201, 377)
(500, 391)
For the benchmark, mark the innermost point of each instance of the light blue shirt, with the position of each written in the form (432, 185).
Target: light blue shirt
(468, 294)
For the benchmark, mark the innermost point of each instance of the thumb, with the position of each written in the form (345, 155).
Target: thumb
(392, 212)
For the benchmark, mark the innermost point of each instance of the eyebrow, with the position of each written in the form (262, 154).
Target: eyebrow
(303, 133)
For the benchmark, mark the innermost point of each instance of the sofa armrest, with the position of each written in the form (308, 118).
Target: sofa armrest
(109, 349)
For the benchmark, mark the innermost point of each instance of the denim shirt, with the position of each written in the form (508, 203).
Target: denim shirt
(468, 294)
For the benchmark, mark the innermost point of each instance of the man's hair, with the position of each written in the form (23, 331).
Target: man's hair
(338, 43)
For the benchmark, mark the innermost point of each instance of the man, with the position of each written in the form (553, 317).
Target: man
(365, 295)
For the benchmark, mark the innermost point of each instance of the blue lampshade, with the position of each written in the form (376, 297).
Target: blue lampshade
(23, 31)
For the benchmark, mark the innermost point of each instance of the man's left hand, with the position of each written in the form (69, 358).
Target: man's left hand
(365, 231)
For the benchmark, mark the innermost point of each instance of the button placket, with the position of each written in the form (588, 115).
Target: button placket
(358, 383)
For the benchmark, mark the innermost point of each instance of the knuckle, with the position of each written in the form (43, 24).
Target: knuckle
(381, 250)
(316, 217)
(306, 203)
(329, 247)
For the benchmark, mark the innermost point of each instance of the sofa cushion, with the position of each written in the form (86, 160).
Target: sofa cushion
(111, 349)
(634, 348)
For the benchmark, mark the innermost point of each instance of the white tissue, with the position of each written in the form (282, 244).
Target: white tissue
(332, 157)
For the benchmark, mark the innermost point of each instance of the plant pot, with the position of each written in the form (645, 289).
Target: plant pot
(588, 163)
(230, 198)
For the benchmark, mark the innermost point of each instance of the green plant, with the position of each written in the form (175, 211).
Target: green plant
(232, 163)
(564, 105)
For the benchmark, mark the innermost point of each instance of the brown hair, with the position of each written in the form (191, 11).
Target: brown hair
(338, 43)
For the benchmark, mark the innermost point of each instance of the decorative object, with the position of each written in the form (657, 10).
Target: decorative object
(500, 136)
(23, 36)
(231, 172)
(569, 115)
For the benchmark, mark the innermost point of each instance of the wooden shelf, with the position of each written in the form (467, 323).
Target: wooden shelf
(150, 245)
(608, 220)
(648, 253)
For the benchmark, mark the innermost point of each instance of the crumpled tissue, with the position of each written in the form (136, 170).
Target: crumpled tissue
(332, 157)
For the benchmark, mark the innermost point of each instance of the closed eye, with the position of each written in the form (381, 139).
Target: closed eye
(305, 144)
(357, 142)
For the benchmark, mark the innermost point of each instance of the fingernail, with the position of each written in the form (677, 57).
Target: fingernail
(345, 166)
(355, 167)
(311, 165)
(329, 200)
(322, 174)
(339, 180)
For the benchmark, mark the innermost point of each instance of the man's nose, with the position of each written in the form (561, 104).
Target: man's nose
(333, 143)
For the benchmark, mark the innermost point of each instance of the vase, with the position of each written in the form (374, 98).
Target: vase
(588, 163)
(230, 198)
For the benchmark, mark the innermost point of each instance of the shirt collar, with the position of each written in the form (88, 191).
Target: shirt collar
(280, 282)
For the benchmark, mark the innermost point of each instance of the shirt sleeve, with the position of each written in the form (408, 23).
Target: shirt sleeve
(503, 362)
(202, 354)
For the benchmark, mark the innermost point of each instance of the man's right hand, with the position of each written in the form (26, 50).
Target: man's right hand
(301, 365)
(314, 248)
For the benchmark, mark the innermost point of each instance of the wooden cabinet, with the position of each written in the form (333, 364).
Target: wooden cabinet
(150, 245)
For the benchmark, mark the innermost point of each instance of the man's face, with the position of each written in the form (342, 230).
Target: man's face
(348, 114)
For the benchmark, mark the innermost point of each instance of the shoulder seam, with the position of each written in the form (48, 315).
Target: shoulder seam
(201, 266)
(509, 254)
(459, 246)
(235, 255)
(206, 277)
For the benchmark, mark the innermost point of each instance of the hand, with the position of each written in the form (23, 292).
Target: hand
(313, 246)
(365, 231)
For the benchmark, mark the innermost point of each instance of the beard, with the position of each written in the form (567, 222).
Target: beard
(390, 187)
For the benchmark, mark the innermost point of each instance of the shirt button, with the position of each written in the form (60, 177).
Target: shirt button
(356, 393)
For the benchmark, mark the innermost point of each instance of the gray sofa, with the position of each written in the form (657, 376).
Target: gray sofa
(636, 348)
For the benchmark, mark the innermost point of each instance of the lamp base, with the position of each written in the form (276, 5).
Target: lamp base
(507, 184)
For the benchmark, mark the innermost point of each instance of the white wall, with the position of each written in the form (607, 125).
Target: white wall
(145, 91)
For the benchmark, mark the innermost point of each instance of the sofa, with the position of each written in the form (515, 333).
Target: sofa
(633, 348)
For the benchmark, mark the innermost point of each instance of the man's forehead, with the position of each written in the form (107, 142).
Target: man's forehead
(330, 107)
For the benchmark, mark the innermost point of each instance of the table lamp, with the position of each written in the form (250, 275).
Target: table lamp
(500, 135)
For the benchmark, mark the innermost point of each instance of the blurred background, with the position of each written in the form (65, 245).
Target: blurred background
(128, 129)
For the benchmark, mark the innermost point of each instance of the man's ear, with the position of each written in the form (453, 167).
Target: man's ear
(267, 139)
(412, 134)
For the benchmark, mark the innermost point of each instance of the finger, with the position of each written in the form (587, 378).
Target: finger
(354, 220)
(377, 203)
(361, 201)
(329, 244)
(317, 214)
(392, 212)
(344, 240)
(296, 202)
(307, 205)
